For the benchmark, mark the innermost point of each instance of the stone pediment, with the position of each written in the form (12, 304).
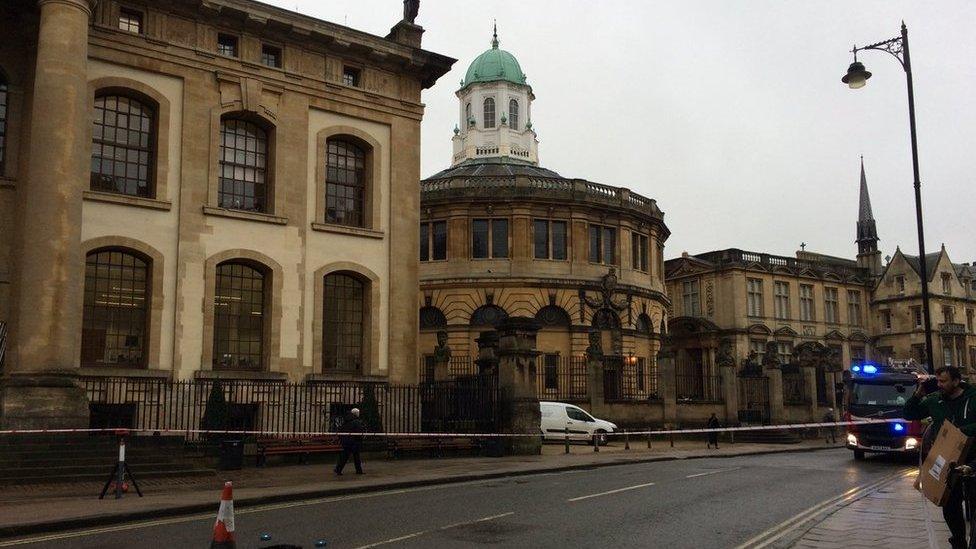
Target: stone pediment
(834, 334)
(759, 329)
(685, 266)
(786, 331)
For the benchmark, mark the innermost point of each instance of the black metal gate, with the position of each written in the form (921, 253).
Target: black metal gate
(612, 377)
(754, 400)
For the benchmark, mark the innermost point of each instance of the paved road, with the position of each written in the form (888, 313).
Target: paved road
(693, 503)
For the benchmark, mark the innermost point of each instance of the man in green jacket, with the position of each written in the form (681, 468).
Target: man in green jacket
(955, 401)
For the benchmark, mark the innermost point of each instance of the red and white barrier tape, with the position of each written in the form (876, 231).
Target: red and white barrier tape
(787, 426)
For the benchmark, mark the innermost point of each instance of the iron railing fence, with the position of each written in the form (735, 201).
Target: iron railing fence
(281, 407)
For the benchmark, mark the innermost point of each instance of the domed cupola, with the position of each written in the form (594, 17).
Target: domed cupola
(495, 111)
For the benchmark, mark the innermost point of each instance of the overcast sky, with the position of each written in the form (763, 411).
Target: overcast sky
(730, 114)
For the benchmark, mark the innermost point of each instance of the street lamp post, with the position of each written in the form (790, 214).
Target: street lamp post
(857, 77)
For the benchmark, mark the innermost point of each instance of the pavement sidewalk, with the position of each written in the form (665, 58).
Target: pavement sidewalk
(894, 516)
(45, 508)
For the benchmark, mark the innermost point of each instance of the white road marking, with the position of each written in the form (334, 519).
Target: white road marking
(618, 490)
(422, 532)
(713, 472)
(484, 519)
(393, 540)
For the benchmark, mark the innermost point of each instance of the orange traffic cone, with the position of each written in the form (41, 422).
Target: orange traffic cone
(223, 533)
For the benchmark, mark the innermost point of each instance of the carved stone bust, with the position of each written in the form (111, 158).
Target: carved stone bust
(442, 352)
(595, 349)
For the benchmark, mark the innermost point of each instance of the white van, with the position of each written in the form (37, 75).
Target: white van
(558, 416)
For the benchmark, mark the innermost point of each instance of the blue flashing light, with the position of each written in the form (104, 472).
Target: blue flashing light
(899, 427)
(870, 369)
(855, 369)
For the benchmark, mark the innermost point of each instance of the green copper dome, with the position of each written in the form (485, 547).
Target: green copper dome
(494, 65)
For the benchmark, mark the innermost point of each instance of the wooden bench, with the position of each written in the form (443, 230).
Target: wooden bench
(301, 446)
(435, 446)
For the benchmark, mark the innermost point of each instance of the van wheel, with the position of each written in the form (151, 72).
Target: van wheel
(600, 438)
(858, 455)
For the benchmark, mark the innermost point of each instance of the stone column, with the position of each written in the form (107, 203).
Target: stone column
(810, 382)
(777, 413)
(730, 392)
(518, 402)
(39, 390)
(594, 382)
(666, 382)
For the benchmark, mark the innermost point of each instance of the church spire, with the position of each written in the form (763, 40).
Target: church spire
(868, 255)
(494, 36)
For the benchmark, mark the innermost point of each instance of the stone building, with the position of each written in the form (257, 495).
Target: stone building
(844, 309)
(502, 236)
(193, 188)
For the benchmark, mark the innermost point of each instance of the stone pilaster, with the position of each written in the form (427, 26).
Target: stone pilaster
(810, 382)
(518, 402)
(777, 414)
(730, 392)
(38, 390)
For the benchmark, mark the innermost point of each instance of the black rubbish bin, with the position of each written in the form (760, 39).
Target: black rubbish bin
(231, 455)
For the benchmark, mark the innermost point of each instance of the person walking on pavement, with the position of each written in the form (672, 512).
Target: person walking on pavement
(351, 443)
(713, 435)
(831, 430)
(955, 401)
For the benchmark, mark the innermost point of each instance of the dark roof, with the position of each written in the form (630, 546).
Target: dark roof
(497, 167)
(931, 260)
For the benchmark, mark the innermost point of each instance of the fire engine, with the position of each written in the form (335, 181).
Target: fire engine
(879, 391)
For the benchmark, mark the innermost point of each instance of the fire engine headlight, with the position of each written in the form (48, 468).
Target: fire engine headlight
(852, 440)
(911, 443)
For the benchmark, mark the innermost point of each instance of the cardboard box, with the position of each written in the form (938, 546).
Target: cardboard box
(950, 448)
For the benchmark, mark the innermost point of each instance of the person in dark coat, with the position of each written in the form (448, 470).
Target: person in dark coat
(713, 435)
(351, 443)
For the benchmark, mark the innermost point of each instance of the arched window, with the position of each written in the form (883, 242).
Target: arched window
(553, 316)
(467, 113)
(115, 315)
(605, 319)
(513, 114)
(239, 307)
(432, 318)
(345, 183)
(3, 121)
(488, 315)
(243, 166)
(344, 323)
(123, 146)
(644, 324)
(489, 113)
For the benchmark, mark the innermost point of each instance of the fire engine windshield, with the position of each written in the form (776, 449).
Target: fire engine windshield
(872, 394)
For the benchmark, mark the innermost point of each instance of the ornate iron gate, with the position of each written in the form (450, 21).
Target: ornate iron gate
(754, 400)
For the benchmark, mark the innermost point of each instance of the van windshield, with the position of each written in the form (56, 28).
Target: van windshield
(578, 415)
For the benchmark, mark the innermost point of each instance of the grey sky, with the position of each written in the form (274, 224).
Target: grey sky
(730, 114)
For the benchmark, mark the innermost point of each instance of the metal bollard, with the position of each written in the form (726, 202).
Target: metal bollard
(648, 438)
(596, 442)
(626, 440)
(731, 438)
(567, 439)
(672, 440)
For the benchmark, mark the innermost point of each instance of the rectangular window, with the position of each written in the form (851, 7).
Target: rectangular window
(830, 305)
(886, 320)
(918, 353)
(433, 241)
(854, 307)
(900, 284)
(227, 45)
(351, 76)
(784, 352)
(758, 347)
(857, 354)
(549, 239)
(489, 235)
(499, 238)
(782, 300)
(641, 369)
(271, 56)
(969, 320)
(917, 316)
(638, 254)
(948, 314)
(690, 298)
(130, 20)
(947, 355)
(603, 245)
(551, 371)
(806, 303)
(755, 301)
(947, 283)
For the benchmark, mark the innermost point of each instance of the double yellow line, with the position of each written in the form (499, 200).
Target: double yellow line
(773, 534)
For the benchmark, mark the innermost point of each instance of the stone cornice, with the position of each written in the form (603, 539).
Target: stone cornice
(87, 6)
